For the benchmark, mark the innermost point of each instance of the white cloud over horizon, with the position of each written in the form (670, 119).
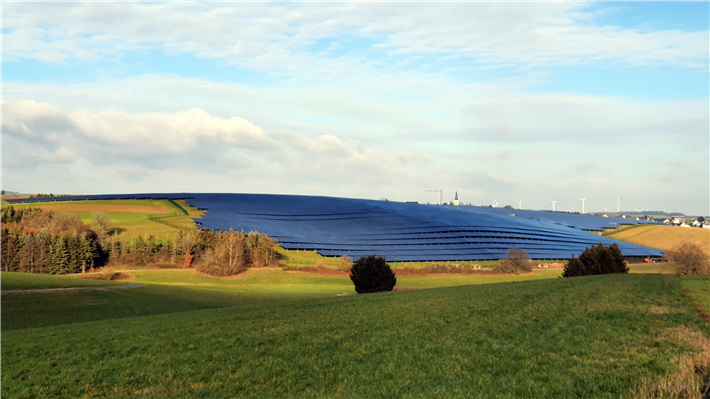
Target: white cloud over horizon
(112, 150)
(356, 99)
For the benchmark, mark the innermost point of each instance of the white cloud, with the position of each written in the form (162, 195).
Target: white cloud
(187, 142)
(271, 35)
(192, 150)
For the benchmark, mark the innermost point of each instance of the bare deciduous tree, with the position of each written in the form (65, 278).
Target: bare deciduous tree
(688, 258)
(516, 261)
(186, 241)
(102, 225)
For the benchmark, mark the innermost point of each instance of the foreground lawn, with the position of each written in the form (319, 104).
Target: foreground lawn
(182, 290)
(699, 288)
(27, 281)
(578, 337)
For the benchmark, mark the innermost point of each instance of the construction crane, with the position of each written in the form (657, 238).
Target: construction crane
(441, 195)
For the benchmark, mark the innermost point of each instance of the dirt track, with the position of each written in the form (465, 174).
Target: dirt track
(105, 208)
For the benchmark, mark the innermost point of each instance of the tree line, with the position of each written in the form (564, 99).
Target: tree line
(36, 241)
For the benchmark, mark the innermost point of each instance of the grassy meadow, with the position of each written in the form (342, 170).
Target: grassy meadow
(271, 333)
(26, 281)
(579, 337)
(175, 215)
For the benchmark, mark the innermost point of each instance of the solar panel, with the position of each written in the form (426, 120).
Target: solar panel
(399, 231)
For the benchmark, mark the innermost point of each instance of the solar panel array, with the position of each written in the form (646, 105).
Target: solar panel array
(401, 232)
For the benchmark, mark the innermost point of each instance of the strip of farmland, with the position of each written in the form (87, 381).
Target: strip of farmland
(105, 208)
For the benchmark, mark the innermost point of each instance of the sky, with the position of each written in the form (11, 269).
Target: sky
(522, 102)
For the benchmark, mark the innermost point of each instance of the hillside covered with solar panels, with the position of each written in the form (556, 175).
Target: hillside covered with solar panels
(400, 232)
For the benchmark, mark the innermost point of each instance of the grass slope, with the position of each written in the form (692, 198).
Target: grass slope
(699, 288)
(579, 337)
(176, 291)
(27, 281)
(661, 236)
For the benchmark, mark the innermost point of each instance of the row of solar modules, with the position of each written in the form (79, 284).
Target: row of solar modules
(398, 231)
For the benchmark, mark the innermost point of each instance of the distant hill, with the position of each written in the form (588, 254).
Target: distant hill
(660, 236)
(647, 213)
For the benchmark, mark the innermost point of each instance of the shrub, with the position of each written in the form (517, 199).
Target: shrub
(516, 261)
(227, 258)
(345, 263)
(372, 274)
(437, 268)
(688, 258)
(597, 260)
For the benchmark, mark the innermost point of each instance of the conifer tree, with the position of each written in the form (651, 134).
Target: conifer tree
(372, 274)
(8, 250)
(60, 256)
(597, 260)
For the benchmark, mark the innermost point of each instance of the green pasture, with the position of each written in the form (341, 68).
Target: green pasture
(123, 202)
(25, 281)
(577, 337)
(699, 288)
(177, 290)
(133, 224)
(293, 260)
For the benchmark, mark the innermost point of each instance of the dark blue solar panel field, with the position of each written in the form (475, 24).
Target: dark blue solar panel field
(400, 232)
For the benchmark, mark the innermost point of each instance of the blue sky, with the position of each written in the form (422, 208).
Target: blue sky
(506, 102)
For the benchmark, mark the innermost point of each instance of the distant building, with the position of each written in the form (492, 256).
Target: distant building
(456, 199)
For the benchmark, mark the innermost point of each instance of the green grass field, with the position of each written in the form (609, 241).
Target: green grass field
(26, 281)
(133, 224)
(578, 337)
(699, 287)
(175, 291)
(273, 333)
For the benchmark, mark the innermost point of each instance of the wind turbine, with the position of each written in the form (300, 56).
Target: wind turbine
(495, 204)
(618, 205)
(583, 199)
(604, 210)
(520, 204)
(571, 209)
(553, 205)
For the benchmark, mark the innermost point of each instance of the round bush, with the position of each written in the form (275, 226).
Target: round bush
(372, 274)
(597, 260)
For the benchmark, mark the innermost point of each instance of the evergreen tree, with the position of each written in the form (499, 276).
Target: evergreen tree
(597, 260)
(60, 257)
(372, 274)
(8, 250)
